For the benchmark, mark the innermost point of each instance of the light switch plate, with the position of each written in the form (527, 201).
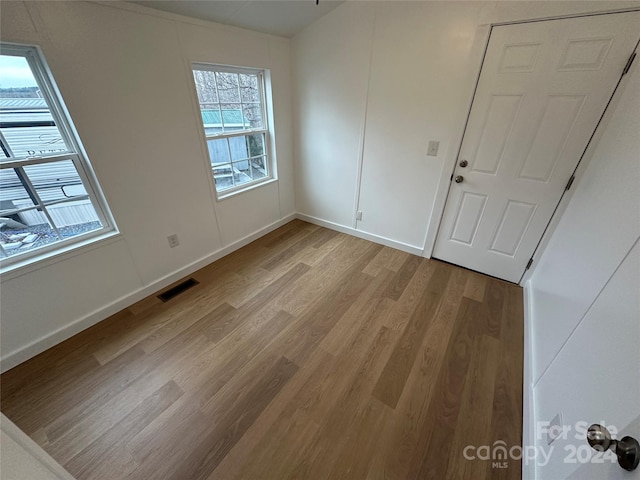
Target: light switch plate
(432, 151)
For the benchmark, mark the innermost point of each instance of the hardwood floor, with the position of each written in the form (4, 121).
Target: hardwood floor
(307, 354)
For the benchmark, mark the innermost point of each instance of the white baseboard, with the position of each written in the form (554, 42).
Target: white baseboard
(360, 234)
(528, 398)
(32, 349)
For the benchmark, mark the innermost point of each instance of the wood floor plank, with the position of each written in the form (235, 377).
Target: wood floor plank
(475, 289)
(403, 433)
(388, 259)
(403, 277)
(394, 376)
(234, 423)
(105, 446)
(474, 429)
(305, 386)
(444, 409)
(307, 354)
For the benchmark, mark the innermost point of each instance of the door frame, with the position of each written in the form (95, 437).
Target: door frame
(474, 70)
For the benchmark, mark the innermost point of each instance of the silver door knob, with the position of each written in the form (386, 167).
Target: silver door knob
(459, 178)
(463, 163)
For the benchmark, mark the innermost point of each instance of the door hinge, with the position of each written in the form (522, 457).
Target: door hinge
(570, 182)
(451, 178)
(629, 62)
(529, 263)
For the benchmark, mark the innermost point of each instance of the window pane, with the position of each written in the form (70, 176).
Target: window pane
(55, 180)
(223, 176)
(206, 86)
(228, 87)
(255, 144)
(246, 146)
(241, 176)
(32, 232)
(258, 168)
(211, 119)
(253, 115)
(218, 151)
(25, 118)
(13, 194)
(232, 117)
(249, 89)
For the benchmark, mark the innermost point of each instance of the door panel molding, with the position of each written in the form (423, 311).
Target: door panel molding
(529, 108)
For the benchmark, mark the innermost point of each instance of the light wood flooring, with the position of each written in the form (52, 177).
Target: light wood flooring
(307, 354)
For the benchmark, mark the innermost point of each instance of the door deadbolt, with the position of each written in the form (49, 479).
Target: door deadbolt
(459, 178)
(463, 163)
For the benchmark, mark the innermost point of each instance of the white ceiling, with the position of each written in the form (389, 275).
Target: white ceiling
(284, 17)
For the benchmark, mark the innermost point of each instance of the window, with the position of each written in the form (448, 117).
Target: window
(232, 109)
(48, 199)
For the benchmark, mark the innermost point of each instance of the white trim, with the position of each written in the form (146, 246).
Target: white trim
(32, 349)
(363, 128)
(30, 449)
(228, 193)
(45, 258)
(528, 396)
(360, 234)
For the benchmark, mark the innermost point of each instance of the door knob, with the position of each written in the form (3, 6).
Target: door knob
(463, 163)
(626, 449)
(459, 178)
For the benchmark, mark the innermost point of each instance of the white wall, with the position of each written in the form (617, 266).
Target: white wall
(374, 82)
(584, 295)
(124, 74)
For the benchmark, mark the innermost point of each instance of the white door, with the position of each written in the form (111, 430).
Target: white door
(542, 90)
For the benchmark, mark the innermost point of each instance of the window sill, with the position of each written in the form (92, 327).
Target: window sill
(49, 258)
(228, 194)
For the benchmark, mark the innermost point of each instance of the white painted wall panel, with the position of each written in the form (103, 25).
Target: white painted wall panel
(332, 67)
(124, 74)
(595, 377)
(417, 87)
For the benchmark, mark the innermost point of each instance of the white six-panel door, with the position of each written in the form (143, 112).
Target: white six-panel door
(542, 90)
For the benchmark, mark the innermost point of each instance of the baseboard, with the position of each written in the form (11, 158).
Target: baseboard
(32, 349)
(360, 234)
(528, 398)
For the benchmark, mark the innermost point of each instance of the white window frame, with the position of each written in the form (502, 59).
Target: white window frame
(75, 153)
(265, 131)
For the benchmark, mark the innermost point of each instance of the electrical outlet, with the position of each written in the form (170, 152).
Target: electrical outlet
(173, 240)
(432, 150)
(555, 430)
(359, 215)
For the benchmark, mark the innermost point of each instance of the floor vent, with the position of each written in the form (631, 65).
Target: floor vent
(178, 289)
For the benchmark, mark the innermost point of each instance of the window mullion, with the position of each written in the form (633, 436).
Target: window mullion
(6, 148)
(31, 191)
(233, 175)
(5, 213)
(219, 102)
(239, 133)
(38, 160)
